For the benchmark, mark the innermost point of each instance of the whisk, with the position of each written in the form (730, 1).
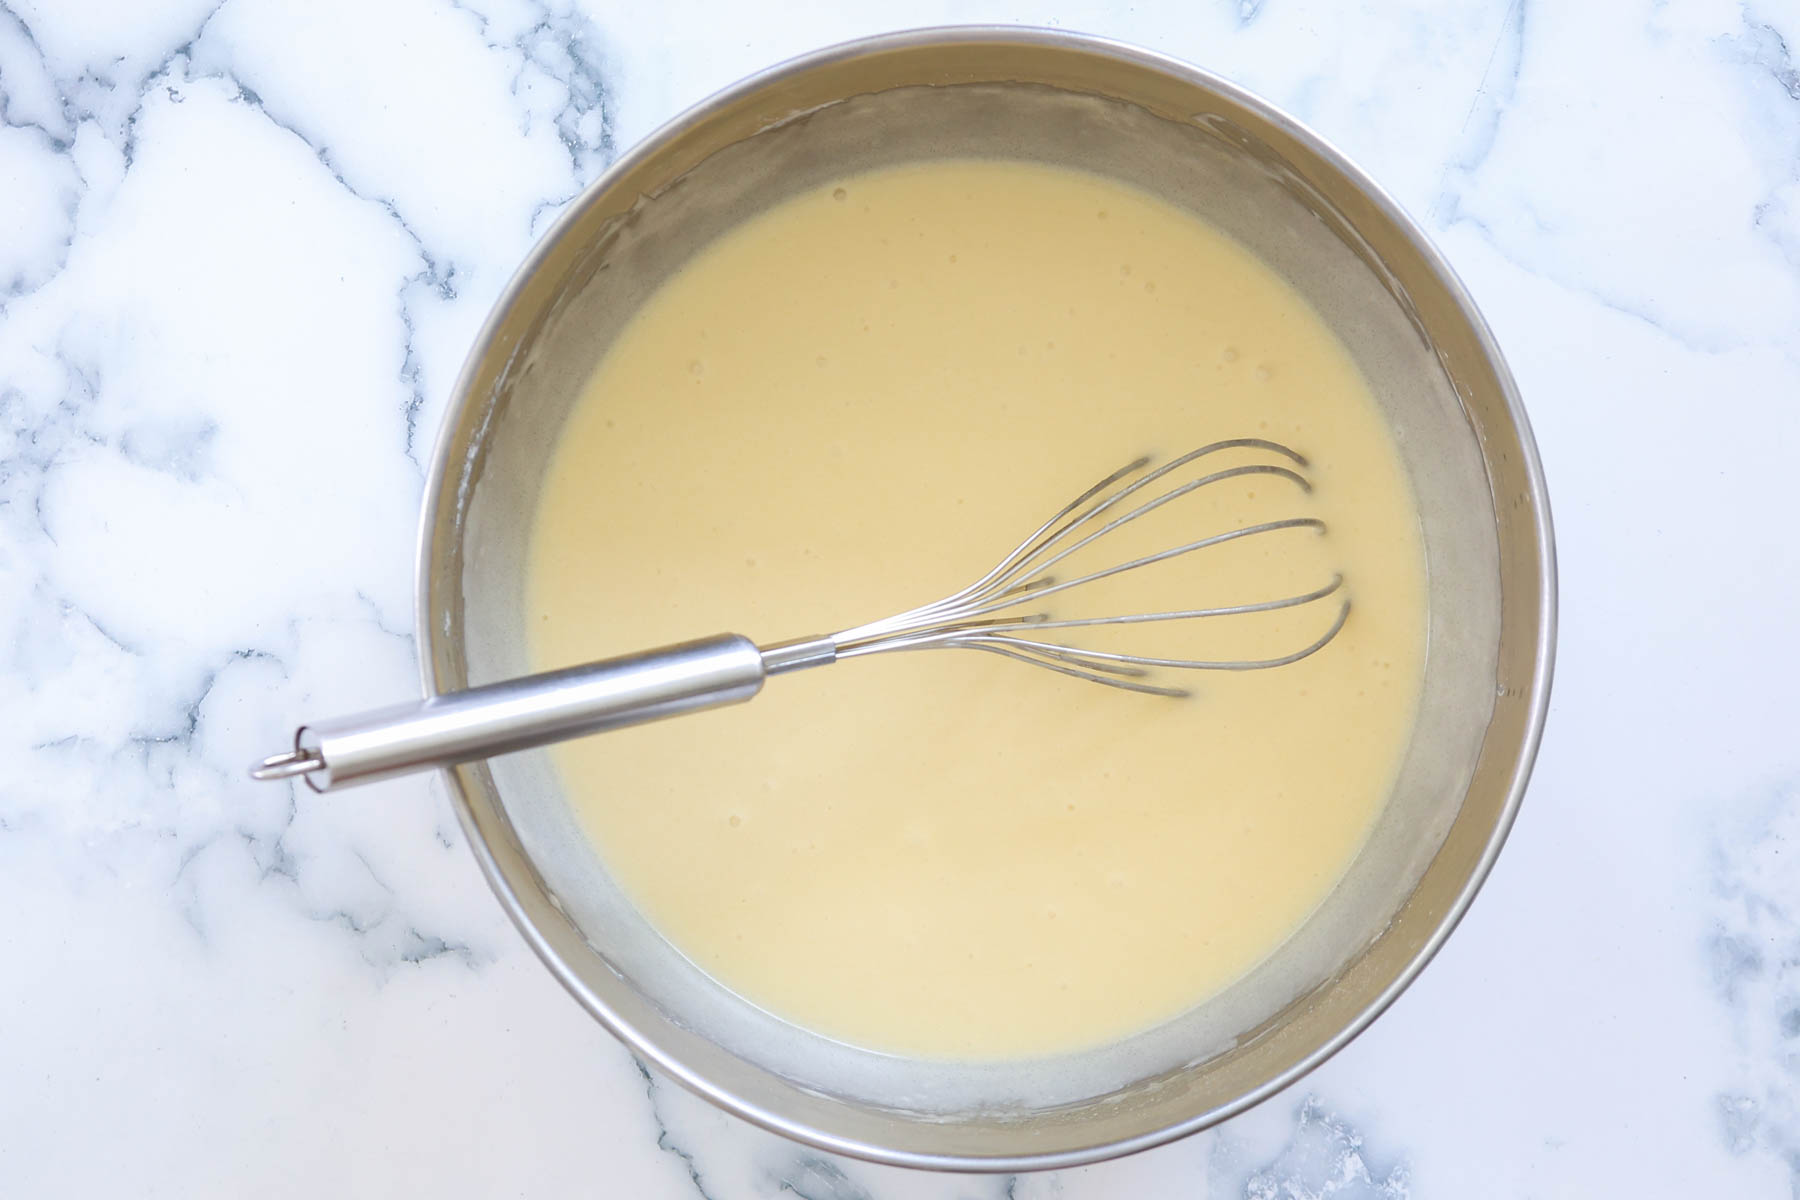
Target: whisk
(999, 613)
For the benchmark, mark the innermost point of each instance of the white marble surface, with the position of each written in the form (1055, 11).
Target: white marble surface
(243, 246)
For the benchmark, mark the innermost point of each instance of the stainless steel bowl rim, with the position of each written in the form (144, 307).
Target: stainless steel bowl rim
(1544, 652)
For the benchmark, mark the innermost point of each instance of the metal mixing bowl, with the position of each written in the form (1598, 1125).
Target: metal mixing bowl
(1210, 148)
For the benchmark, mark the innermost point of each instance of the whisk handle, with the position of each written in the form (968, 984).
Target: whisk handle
(521, 713)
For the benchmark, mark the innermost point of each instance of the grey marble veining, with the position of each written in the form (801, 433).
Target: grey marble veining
(245, 245)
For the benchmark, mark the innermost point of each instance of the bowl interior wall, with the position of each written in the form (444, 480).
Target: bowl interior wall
(1445, 399)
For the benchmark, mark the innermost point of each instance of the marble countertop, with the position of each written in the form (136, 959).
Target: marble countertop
(243, 248)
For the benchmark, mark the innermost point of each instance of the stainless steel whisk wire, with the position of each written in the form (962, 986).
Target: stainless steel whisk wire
(991, 615)
(1022, 578)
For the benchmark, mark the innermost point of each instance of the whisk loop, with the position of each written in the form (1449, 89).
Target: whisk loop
(968, 620)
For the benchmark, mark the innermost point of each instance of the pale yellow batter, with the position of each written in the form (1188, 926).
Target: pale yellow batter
(856, 403)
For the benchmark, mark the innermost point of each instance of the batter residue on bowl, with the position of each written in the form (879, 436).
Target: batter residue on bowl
(856, 402)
